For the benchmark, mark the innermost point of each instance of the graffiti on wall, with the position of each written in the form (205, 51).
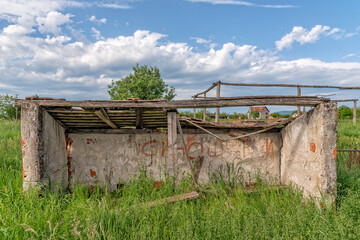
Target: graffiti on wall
(210, 147)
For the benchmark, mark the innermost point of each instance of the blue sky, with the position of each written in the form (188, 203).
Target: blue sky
(73, 49)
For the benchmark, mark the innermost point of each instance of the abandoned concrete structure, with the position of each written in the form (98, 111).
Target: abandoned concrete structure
(89, 142)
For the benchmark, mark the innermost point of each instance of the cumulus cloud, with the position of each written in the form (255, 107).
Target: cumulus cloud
(242, 3)
(52, 21)
(55, 65)
(302, 36)
(45, 66)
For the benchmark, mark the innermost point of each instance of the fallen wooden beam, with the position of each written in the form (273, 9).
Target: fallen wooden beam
(103, 116)
(169, 200)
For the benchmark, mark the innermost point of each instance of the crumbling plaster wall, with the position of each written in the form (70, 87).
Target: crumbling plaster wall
(110, 158)
(43, 148)
(308, 155)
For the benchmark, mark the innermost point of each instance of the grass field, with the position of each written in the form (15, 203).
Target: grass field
(233, 214)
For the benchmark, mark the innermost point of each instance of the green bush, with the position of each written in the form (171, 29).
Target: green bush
(345, 112)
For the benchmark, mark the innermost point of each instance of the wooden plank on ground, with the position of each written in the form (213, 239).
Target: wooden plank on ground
(169, 200)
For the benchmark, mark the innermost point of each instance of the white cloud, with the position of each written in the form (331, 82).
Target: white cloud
(201, 40)
(96, 34)
(52, 21)
(50, 66)
(242, 3)
(97, 21)
(349, 55)
(302, 36)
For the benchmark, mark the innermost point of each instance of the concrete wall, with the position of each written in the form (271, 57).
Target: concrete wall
(308, 154)
(43, 147)
(55, 166)
(109, 158)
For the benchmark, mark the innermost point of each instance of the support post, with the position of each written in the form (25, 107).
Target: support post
(172, 137)
(139, 113)
(32, 144)
(16, 107)
(194, 110)
(299, 94)
(217, 96)
(204, 117)
(354, 113)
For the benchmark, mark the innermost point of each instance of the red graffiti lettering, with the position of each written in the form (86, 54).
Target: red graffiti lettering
(149, 149)
(233, 146)
(194, 144)
(190, 139)
(164, 147)
(269, 147)
(244, 149)
(183, 153)
(214, 153)
(89, 140)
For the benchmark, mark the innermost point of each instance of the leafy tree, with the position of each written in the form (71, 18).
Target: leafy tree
(255, 114)
(344, 112)
(275, 115)
(145, 83)
(186, 114)
(7, 108)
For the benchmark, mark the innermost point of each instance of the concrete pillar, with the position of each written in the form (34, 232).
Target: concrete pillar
(309, 150)
(32, 143)
(299, 94)
(172, 137)
(354, 113)
(204, 117)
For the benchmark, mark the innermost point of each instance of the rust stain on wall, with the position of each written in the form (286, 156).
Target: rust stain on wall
(92, 173)
(312, 147)
(68, 147)
(22, 143)
(24, 174)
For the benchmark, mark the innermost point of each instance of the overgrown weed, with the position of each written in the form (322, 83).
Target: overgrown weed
(230, 211)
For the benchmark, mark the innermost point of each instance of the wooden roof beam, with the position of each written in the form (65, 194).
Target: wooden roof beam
(103, 116)
(200, 103)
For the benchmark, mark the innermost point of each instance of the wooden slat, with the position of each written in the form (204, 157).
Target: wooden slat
(86, 124)
(68, 111)
(120, 111)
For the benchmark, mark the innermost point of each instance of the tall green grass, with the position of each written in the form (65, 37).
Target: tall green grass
(232, 213)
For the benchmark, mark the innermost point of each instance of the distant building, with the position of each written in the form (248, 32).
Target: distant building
(264, 112)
